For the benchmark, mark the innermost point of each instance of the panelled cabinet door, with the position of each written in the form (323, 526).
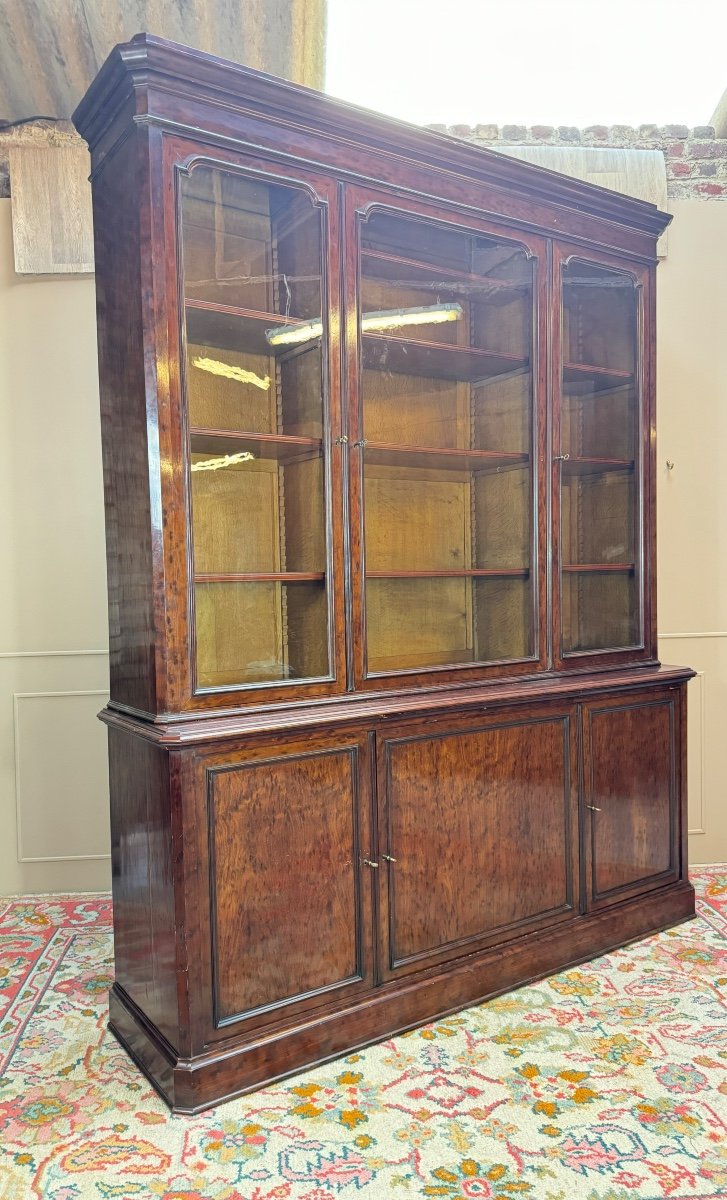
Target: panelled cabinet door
(444, 320)
(602, 462)
(477, 834)
(257, 283)
(287, 887)
(632, 782)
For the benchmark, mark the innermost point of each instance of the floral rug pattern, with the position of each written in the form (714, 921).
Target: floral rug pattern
(606, 1082)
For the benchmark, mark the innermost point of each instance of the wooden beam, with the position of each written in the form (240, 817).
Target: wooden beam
(48, 171)
(50, 52)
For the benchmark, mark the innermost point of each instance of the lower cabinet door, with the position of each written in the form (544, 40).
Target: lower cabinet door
(289, 899)
(632, 782)
(477, 834)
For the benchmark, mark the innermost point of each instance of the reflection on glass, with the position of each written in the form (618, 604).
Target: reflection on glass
(599, 464)
(446, 336)
(252, 266)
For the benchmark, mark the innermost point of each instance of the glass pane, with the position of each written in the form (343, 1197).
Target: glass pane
(252, 279)
(446, 334)
(599, 465)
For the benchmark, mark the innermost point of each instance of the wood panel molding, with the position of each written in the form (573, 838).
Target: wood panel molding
(698, 809)
(236, 864)
(19, 699)
(702, 783)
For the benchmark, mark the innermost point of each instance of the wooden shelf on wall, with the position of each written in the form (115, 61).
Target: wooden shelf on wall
(263, 577)
(597, 568)
(240, 329)
(601, 378)
(389, 454)
(381, 265)
(595, 466)
(464, 573)
(436, 360)
(283, 448)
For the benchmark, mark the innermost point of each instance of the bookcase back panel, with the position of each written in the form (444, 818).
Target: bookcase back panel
(600, 610)
(260, 630)
(413, 409)
(250, 244)
(240, 632)
(414, 623)
(244, 394)
(502, 618)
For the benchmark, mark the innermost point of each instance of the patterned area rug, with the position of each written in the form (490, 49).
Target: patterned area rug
(607, 1082)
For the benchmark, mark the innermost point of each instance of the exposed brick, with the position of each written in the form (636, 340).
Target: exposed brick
(715, 149)
(696, 160)
(710, 189)
(487, 133)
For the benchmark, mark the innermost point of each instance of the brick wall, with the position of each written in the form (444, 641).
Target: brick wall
(696, 160)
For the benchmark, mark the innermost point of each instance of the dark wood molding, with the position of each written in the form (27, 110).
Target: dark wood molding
(190, 729)
(191, 1086)
(149, 65)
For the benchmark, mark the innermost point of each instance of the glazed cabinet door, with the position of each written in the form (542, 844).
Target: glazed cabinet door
(286, 832)
(444, 376)
(602, 463)
(478, 834)
(257, 280)
(632, 767)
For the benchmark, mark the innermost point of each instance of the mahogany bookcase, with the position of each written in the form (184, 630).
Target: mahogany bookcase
(387, 730)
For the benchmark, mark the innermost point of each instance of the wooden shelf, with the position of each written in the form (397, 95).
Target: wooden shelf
(263, 577)
(436, 360)
(283, 448)
(389, 454)
(240, 329)
(243, 330)
(601, 378)
(380, 265)
(464, 573)
(597, 568)
(596, 466)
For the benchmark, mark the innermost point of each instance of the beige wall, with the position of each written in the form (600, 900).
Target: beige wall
(53, 660)
(53, 664)
(692, 498)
